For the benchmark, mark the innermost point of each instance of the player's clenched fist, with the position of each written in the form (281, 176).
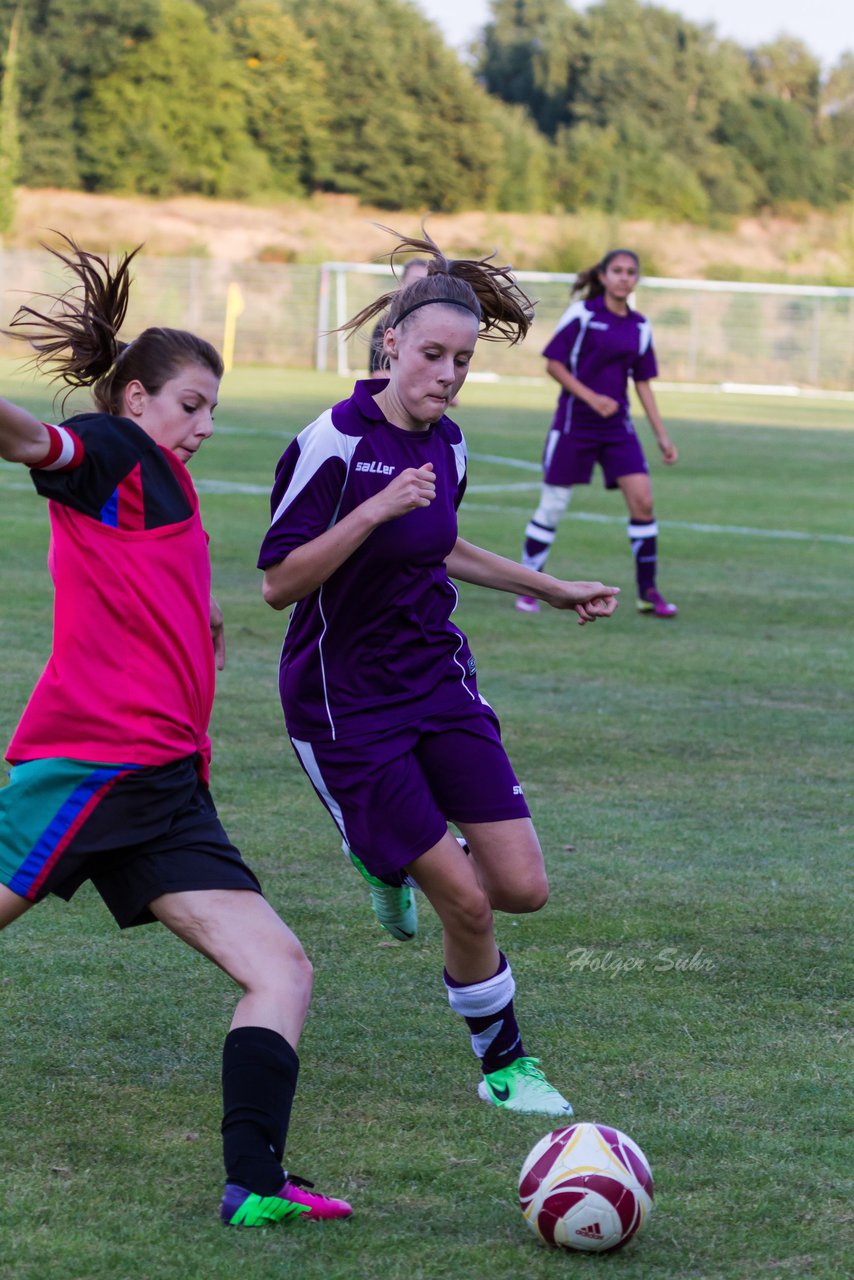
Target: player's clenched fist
(414, 487)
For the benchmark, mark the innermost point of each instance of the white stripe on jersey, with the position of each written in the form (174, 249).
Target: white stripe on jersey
(644, 337)
(580, 312)
(460, 645)
(460, 458)
(318, 442)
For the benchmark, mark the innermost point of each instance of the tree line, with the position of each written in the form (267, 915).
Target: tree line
(625, 107)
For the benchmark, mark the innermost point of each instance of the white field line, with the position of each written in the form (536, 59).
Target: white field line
(224, 487)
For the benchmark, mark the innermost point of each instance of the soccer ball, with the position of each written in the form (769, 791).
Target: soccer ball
(586, 1187)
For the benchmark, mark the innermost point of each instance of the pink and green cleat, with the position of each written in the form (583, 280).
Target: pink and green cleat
(293, 1200)
(654, 603)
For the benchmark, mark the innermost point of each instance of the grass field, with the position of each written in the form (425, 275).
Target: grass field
(687, 981)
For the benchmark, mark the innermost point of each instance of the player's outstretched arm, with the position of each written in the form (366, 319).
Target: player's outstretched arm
(590, 600)
(22, 437)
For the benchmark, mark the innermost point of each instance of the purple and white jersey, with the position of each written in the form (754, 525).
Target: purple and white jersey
(602, 350)
(373, 647)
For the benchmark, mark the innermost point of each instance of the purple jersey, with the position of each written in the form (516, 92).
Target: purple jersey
(374, 646)
(603, 350)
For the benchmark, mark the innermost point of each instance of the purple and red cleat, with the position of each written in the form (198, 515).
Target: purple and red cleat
(654, 603)
(293, 1200)
(527, 604)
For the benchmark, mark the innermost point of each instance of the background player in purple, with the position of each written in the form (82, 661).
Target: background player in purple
(378, 685)
(110, 759)
(599, 344)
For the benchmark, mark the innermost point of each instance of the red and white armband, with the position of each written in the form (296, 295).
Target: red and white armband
(65, 451)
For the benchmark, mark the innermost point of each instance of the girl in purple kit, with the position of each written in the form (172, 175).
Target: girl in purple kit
(599, 344)
(378, 685)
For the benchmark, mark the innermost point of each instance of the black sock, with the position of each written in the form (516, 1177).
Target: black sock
(259, 1077)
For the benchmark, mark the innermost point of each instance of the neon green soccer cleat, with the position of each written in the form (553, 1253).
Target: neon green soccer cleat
(394, 905)
(522, 1087)
(293, 1201)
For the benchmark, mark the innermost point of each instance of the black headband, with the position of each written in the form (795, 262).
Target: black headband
(448, 302)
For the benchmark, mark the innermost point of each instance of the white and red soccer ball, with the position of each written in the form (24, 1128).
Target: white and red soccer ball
(586, 1187)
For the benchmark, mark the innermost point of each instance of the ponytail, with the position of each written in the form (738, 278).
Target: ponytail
(76, 339)
(503, 312)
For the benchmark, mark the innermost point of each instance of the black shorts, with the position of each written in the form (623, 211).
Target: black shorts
(136, 833)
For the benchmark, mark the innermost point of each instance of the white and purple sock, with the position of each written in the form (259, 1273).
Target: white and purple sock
(488, 1010)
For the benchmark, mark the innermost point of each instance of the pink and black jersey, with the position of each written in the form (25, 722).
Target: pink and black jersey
(374, 646)
(603, 350)
(130, 678)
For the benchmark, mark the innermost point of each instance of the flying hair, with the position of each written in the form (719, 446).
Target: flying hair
(76, 337)
(503, 312)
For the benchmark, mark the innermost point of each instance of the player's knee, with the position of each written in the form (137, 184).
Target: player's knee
(554, 500)
(470, 914)
(283, 970)
(522, 899)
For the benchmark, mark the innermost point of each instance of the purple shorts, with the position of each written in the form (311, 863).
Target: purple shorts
(570, 456)
(391, 795)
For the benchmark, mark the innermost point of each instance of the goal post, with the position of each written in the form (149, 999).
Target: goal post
(706, 331)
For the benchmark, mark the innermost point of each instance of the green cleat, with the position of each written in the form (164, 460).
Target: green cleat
(394, 905)
(293, 1201)
(522, 1087)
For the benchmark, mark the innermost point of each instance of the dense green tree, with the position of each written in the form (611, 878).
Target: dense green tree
(531, 53)
(286, 93)
(10, 150)
(172, 116)
(409, 126)
(524, 175)
(786, 69)
(837, 110)
(623, 106)
(777, 140)
(66, 47)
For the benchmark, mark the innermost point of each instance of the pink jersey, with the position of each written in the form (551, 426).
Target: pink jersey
(130, 679)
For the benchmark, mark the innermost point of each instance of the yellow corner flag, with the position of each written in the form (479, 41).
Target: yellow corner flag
(234, 307)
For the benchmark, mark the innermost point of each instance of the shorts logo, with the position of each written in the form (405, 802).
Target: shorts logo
(379, 468)
(517, 791)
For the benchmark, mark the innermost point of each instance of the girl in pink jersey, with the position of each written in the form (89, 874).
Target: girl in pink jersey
(379, 686)
(110, 759)
(600, 343)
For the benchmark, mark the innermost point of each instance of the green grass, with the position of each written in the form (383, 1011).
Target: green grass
(687, 982)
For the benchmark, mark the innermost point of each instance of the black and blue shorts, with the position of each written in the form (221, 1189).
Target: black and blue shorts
(135, 831)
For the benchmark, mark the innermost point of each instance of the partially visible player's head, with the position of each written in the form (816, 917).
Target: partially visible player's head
(414, 269)
(616, 275)
(77, 339)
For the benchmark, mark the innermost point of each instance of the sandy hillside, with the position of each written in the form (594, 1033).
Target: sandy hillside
(817, 248)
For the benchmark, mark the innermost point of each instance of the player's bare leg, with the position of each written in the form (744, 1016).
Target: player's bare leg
(12, 905)
(477, 976)
(643, 537)
(240, 932)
